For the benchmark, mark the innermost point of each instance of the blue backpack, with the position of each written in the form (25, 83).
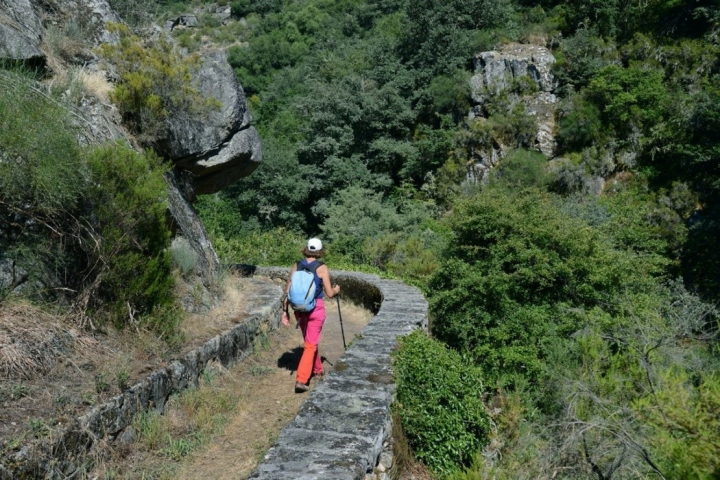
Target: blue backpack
(303, 291)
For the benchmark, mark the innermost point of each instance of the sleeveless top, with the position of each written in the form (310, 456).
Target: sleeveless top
(318, 281)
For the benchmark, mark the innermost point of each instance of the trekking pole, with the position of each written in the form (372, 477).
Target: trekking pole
(342, 330)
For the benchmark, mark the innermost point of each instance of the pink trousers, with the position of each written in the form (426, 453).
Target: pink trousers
(311, 324)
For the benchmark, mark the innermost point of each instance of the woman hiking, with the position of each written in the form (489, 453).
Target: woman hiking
(310, 321)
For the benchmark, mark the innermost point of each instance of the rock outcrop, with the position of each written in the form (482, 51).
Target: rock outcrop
(20, 32)
(505, 71)
(216, 144)
(498, 70)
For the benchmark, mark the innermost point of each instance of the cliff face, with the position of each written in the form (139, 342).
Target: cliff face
(500, 72)
(210, 149)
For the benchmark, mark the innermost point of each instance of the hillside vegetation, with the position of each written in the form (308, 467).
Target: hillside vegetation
(573, 329)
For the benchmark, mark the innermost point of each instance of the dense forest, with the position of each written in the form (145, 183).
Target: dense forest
(573, 329)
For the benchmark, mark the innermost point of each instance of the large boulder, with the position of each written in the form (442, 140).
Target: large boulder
(20, 32)
(217, 143)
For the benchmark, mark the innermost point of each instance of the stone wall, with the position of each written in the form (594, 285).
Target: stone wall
(341, 428)
(65, 451)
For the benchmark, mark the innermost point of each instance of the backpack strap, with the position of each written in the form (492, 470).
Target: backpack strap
(312, 268)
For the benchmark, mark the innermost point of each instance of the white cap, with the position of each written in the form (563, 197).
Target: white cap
(314, 245)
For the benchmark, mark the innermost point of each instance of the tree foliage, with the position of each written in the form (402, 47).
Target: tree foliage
(128, 255)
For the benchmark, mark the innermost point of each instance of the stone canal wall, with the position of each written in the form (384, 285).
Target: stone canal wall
(341, 428)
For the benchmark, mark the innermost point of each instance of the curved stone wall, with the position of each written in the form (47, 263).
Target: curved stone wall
(339, 432)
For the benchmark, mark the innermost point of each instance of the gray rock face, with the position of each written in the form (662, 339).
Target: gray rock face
(20, 31)
(104, 13)
(235, 159)
(499, 71)
(188, 20)
(11, 275)
(217, 145)
(543, 106)
(188, 224)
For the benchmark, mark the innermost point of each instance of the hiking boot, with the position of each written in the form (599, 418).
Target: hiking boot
(319, 374)
(300, 387)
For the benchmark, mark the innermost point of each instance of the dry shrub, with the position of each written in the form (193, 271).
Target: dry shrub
(32, 341)
(96, 84)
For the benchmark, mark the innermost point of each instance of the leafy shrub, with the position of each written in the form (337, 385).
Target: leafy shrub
(358, 214)
(579, 125)
(41, 180)
(439, 402)
(408, 257)
(39, 156)
(685, 421)
(155, 82)
(275, 247)
(523, 169)
(241, 8)
(515, 268)
(629, 97)
(129, 255)
(183, 255)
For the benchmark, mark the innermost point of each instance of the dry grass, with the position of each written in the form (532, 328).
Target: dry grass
(222, 429)
(231, 311)
(79, 83)
(33, 341)
(95, 84)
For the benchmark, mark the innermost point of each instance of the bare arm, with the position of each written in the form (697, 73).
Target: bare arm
(324, 273)
(287, 287)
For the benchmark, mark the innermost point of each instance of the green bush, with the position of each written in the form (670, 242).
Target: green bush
(439, 402)
(39, 156)
(515, 275)
(41, 179)
(629, 98)
(685, 423)
(130, 252)
(523, 169)
(272, 248)
(357, 214)
(241, 8)
(155, 82)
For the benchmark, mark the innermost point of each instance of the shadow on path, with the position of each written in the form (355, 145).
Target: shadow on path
(290, 359)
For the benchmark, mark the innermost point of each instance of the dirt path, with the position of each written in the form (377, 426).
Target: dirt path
(262, 389)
